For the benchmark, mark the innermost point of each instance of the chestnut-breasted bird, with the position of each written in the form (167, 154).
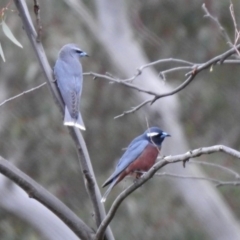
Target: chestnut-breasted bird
(68, 74)
(140, 156)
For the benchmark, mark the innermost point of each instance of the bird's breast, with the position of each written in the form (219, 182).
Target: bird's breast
(143, 163)
(146, 160)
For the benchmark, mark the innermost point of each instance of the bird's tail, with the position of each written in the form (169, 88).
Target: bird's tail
(105, 195)
(79, 123)
(69, 121)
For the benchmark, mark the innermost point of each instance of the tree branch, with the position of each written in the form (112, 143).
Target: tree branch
(38, 20)
(218, 182)
(123, 82)
(22, 93)
(219, 25)
(237, 35)
(226, 169)
(195, 69)
(134, 109)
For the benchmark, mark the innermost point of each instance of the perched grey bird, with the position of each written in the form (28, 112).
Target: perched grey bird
(68, 74)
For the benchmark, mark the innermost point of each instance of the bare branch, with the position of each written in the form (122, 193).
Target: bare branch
(22, 93)
(163, 161)
(237, 35)
(134, 109)
(232, 61)
(176, 69)
(167, 60)
(234, 23)
(36, 9)
(36, 191)
(219, 183)
(226, 169)
(123, 82)
(195, 69)
(221, 28)
(176, 90)
(198, 68)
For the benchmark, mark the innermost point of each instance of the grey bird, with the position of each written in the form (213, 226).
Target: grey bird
(68, 74)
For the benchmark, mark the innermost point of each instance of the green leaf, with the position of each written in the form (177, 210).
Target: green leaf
(9, 34)
(1, 53)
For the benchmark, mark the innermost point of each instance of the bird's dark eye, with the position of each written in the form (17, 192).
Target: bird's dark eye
(78, 51)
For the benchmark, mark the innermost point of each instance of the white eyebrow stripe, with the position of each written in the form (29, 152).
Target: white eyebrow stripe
(152, 134)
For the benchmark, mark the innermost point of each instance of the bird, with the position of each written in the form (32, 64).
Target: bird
(140, 156)
(68, 75)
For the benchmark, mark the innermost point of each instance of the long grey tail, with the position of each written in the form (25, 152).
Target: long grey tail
(69, 121)
(105, 195)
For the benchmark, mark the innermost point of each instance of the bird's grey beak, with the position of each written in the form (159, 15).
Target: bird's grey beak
(84, 54)
(166, 134)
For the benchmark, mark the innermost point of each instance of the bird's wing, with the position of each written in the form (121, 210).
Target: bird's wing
(132, 153)
(70, 85)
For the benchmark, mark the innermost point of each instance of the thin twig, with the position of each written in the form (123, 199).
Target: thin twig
(226, 169)
(123, 82)
(214, 180)
(167, 60)
(134, 109)
(176, 69)
(176, 90)
(235, 27)
(195, 69)
(234, 22)
(221, 28)
(22, 93)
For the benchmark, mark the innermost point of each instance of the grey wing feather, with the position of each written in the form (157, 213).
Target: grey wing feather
(69, 81)
(132, 153)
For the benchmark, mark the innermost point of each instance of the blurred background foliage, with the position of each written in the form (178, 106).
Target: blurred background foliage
(33, 137)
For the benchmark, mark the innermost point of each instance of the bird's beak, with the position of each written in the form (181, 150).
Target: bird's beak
(166, 134)
(84, 54)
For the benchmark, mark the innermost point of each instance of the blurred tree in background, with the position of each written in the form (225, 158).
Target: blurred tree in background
(34, 139)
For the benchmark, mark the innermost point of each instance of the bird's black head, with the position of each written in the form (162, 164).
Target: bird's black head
(155, 135)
